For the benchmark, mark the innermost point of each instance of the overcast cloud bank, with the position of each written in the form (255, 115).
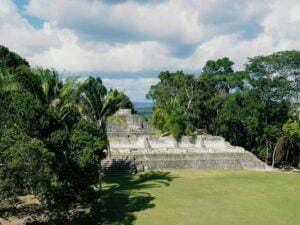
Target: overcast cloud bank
(129, 41)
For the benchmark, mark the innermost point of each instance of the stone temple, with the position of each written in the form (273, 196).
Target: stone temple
(135, 146)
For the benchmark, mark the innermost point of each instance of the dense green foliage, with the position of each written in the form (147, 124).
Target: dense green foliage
(25, 165)
(10, 60)
(248, 108)
(291, 135)
(52, 135)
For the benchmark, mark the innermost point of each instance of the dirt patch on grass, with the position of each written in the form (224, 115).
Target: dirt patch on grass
(25, 211)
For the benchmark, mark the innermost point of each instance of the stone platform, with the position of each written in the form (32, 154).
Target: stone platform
(134, 146)
(128, 164)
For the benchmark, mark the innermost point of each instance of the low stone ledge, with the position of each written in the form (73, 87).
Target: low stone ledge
(129, 164)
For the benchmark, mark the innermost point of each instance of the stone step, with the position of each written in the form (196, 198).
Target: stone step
(119, 166)
(125, 164)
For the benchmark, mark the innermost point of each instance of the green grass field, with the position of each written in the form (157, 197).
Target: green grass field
(190, 197)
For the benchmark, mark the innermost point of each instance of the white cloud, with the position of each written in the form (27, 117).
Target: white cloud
(85, 36)
(99, 56)
(283, 23)
(178, 22)
(17, 34)
(167, 20)
(230, 45)
(135, 88)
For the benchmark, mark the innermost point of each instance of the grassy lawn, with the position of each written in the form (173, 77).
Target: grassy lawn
(190, 197)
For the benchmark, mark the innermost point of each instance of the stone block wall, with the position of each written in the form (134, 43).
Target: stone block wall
(135, 147)
(126, 143)
(124, 165)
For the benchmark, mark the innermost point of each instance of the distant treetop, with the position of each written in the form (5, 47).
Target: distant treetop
(220, 66)
(10, 60)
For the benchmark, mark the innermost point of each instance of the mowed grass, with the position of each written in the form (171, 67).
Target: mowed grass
(195, 197)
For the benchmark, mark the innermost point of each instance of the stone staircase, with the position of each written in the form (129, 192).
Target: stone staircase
(121, 164)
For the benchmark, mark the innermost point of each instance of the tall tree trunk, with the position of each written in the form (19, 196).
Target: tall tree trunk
(278, 152)
(100, 177)
(273, 157)
(108, 149)
(267, 155)
(287, 155)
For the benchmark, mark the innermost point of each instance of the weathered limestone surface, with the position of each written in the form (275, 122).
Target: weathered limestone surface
(134, 144)
(149, 143)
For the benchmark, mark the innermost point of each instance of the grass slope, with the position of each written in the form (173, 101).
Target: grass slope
(190, 197)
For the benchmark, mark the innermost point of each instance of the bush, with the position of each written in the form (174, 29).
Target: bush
(25, 165)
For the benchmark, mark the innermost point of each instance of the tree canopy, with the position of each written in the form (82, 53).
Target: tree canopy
(52, 135)
(247, 107)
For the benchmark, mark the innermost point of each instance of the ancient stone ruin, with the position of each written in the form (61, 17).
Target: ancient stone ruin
(135, 146)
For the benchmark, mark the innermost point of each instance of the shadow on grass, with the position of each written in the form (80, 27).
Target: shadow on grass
(123, 196)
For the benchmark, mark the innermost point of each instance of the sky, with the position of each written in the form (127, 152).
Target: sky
(128, 42)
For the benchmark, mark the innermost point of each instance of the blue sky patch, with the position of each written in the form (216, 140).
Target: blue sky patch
(34, 21)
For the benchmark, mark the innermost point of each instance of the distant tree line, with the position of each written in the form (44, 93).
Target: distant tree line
(52, 135)
(257, 108)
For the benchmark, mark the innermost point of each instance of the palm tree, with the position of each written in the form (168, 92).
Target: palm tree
(69, 104)
(48, 84)
(44, 84)
(91, 100)
(98, 103)
(95, 103)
